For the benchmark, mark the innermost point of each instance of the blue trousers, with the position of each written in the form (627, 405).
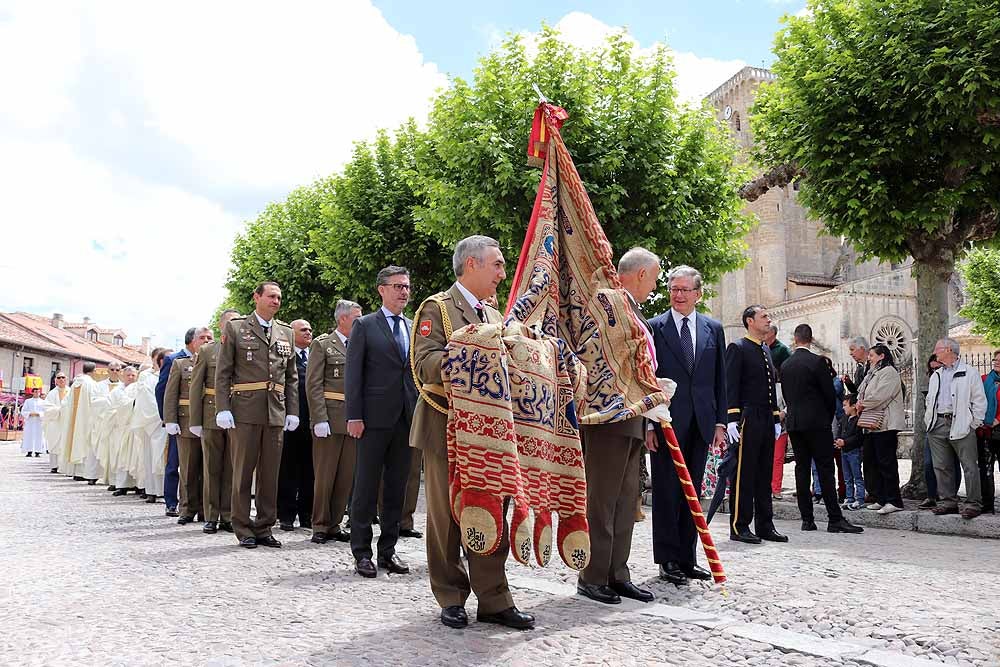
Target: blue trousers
(172, 475)
(854, 482)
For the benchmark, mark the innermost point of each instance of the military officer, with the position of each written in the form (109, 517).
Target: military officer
(176, 417)
(257, 394)
(479, 268)
(754, 423)
(333, 450)
(217, 460)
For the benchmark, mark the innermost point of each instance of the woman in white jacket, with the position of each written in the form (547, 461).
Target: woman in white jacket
(882, 389)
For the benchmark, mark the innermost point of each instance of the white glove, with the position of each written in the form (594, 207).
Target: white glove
(777, 431)
(195, 431)
(658, 415)
(224, 420)
(733, 431)
(321, 430)
(173, 429)
(291, 423)
(667, 386)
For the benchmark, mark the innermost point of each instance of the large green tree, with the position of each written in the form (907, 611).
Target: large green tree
(890, 111)
(659, 175)
(368, 223)
(275, 246)
(981, 271)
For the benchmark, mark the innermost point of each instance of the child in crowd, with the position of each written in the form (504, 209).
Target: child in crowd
(849, 443)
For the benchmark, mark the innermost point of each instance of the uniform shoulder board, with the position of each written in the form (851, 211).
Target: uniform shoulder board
(440, 296)
(238, 318)
(284, 324)
(323, 336)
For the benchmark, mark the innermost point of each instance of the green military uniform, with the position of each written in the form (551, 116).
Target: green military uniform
(449, 581)
(335, 455)
(177, 410)
(217, 470)
(256, 379)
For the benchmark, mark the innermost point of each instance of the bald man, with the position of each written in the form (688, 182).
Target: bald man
(295, 478)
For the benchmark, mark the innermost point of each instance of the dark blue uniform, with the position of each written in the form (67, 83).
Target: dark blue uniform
(753, 405)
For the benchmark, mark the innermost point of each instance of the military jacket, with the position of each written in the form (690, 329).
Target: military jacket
(255, 377)
(203, 386)
(750, 379)
(177, 396)
(325, 382)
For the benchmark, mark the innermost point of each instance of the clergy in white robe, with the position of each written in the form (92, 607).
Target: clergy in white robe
(53, 436)
(33, 437)
(76, 417)
(149, 438)
(115, 433)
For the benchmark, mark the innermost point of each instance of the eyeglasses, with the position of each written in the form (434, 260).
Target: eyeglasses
(681, 290)
(399, 287)
(60, 377)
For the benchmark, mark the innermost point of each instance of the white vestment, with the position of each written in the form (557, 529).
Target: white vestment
(149, 438)
(53, 436)
(76, 417)
(114, 430)
(33, 439)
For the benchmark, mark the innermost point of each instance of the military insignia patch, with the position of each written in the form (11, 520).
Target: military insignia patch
(425, 328)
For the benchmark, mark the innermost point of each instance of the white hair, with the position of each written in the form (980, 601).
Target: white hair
(470, 246)
(637, 259)
(859, 342)
(684, 271)
(344, 307)
(952, 345)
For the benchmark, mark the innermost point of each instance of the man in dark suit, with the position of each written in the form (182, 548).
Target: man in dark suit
(193, 339)
(690, 349)
(380, 397)
(295, 477)
(808, 390)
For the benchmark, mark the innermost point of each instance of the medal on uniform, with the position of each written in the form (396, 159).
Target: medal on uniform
(249, 355)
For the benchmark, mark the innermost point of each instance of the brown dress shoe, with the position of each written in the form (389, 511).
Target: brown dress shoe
(970, 513)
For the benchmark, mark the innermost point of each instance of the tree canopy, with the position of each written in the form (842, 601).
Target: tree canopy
(981, 271)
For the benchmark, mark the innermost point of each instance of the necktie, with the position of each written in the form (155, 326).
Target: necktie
(397, 333)
(687, 345)
(481, 312)
(302, 356)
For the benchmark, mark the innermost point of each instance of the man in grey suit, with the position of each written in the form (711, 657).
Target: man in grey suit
(380, 397)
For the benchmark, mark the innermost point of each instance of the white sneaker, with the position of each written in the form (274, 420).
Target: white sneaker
(889, 509)
(873, 506)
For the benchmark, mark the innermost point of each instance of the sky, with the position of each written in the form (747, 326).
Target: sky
(136, 139)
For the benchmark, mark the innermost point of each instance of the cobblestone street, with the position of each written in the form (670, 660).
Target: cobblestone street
(89, 579)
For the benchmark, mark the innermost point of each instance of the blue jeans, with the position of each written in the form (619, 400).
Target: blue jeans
(817, 489)
(172, 476)
(929, 477)
(854, 483)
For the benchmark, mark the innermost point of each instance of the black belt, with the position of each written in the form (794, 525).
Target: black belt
(946, 415)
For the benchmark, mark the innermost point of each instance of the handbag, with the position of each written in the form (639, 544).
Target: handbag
(871, 420)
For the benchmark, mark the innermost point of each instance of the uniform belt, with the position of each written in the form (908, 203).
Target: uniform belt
(437, 389)
(184, 401)
(333, 395)
(257, 386)
(209, 391)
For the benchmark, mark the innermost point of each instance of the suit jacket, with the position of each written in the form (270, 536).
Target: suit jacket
(429, 342)
(701, 393)
(808, 390)
(301, 369)
(203, 386)
(250, 356)
(379, 385)
(161, 383)
(325, 378)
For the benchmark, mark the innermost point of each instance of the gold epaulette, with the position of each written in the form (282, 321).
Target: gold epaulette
(439, 299)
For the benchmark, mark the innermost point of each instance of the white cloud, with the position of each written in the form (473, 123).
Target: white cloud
(128, 129)
(696, 75)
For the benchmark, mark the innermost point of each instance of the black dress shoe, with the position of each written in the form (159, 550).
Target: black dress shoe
(744, 536)
(77, 478)
(112, 488)
(598, 592)
(141, 493)
(695, 571)
(305, 523)
(340, 536)
(171, 511)
(54, 470)
(394, 564)
(150, 498)
(318, 538)
(249, 543)
(773, 536)
(28, 455)
(120, 492)
(627, 589)
(366, 568)
(671, 571)
(269, 541)
(809, 525)
(843, 526)
(210, 527)
(284, 525)
(409, 532)
(454, 617)
(91, 482)
(184, 520)
(510, 617)
(226, 526)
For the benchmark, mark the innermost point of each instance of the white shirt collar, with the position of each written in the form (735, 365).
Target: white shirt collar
(678, 317)
(389, 314)
(299, 350)
(342, 337)
(469, 296)
(264, 323)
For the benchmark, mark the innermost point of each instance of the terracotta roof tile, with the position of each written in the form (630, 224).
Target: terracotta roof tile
(72, 344)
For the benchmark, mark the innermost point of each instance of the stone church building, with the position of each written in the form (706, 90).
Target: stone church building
(802, 274)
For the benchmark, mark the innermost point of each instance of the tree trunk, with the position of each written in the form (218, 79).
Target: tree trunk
(932, 324)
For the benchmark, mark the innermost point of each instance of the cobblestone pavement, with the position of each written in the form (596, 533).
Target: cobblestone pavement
(91, 579)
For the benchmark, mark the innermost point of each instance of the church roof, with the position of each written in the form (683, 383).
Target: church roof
(813, 279)
(70, 343)
(13, 334)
